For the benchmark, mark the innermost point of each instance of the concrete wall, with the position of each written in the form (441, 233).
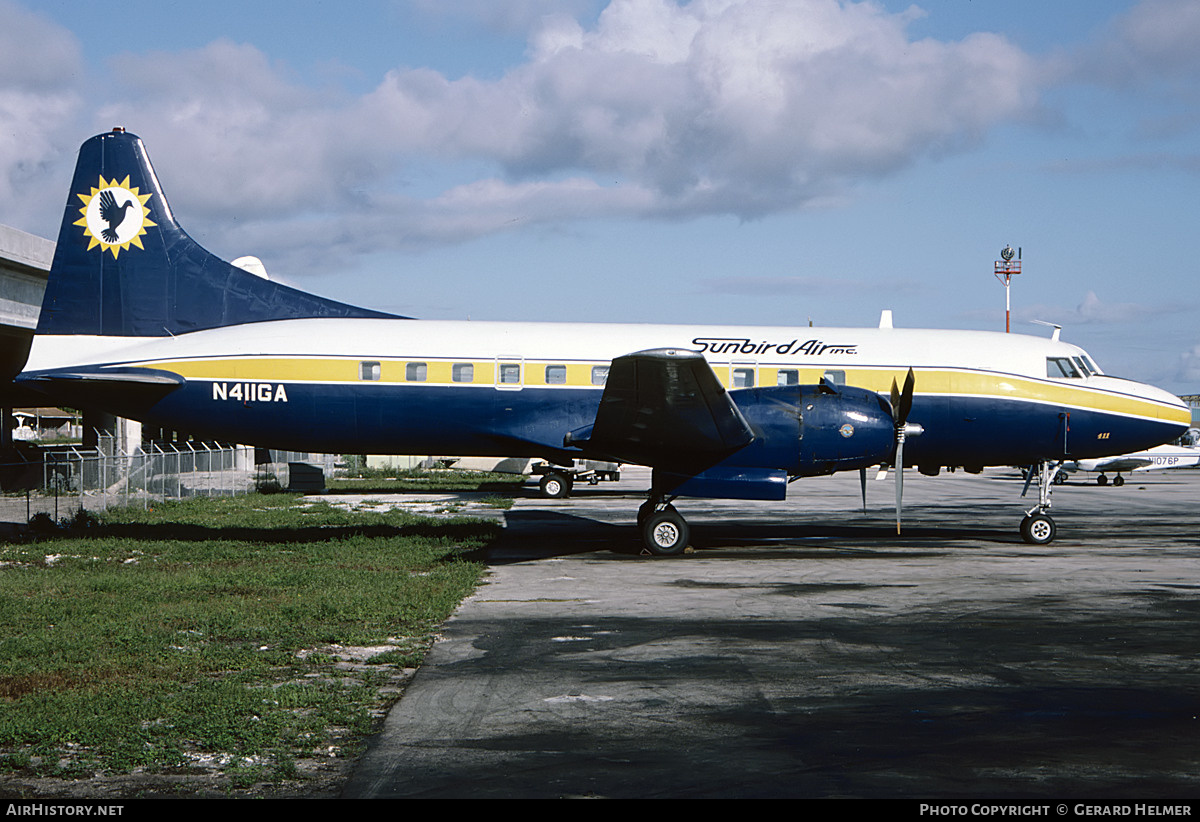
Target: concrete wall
(24, 265)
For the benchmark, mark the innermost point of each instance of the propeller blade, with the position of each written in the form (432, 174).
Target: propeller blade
(1028, 478)
(901, 405)
(862, 481)
(882, 473)
(906, 395)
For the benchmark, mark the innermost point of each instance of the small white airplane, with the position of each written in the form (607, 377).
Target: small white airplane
(140, 321)
(1185, 453)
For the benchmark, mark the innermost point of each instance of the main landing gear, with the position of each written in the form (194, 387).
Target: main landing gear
(1038, 528)
(1118, 480)
(556, 485)
(664, 531)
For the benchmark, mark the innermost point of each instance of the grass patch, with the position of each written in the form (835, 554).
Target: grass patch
(215, 630)
(416, 480)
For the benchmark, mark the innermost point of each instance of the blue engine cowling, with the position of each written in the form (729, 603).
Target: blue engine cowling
(799, 431)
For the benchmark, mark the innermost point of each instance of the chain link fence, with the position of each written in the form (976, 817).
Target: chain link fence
(68, 479)
(60, 481)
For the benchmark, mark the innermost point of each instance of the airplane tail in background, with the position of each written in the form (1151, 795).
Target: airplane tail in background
(124, 267)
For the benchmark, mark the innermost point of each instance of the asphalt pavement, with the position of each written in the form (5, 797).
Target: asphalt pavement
(803, 649)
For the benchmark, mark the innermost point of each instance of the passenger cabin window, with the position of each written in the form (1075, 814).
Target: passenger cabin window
(599, 374)
(788, 376)
(510, 373)
(415, 372)
(462, 372)
(368, 371)
(743, 378)
(836, 377)
(1060, 367)
(556, 375)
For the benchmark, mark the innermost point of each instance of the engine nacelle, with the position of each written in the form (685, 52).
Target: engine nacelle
(809, 430)
(799, 431)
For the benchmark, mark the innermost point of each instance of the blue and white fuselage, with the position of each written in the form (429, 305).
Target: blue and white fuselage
(514, 389)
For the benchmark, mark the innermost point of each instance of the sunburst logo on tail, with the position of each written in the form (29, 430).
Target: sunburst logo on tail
(115, 216)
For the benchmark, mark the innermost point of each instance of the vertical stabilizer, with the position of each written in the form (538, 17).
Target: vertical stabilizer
(124, 267)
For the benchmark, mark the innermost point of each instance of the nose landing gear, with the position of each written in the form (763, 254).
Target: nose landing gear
(1038, 527)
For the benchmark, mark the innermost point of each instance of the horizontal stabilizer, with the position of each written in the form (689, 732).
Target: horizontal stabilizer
(124, 390)
(139, 376)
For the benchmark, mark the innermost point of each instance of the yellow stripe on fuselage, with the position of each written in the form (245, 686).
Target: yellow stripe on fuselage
(935, 381)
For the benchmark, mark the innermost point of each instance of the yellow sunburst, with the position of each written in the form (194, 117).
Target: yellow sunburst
(126, 231)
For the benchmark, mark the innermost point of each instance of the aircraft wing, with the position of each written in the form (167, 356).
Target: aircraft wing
(665, 408)
(1127, 463)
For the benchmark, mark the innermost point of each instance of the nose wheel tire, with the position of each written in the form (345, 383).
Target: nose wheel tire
(665, 533)
(1038, 529)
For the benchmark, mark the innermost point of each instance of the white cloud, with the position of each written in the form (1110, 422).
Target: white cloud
(235, 128)
(732, 107)
(36, 54)
(1151, 49)
(1189, 367)
(506, 16)
(657, 108)
(39, 69)
(1158, 37)
(1091, 310)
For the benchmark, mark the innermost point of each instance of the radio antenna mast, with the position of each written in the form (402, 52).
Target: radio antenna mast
(1006, 267)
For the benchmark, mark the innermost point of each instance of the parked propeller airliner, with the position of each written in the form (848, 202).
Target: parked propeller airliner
(140, 321)
(1159, 458)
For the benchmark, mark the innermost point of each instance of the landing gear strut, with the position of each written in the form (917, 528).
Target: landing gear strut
(664, 531)
(1038, 528)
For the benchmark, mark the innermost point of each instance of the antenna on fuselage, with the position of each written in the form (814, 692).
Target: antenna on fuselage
(1057, 328)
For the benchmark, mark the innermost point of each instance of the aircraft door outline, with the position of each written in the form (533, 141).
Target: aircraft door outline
(510, 373)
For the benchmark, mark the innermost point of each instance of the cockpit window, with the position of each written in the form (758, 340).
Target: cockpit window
(1060, 367)
(1091, 365)
(1083, 366)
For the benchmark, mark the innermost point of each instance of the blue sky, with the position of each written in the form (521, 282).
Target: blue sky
(718, 161)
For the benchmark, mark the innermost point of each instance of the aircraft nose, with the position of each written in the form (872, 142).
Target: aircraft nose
(1174, 416)
(1145, 416)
